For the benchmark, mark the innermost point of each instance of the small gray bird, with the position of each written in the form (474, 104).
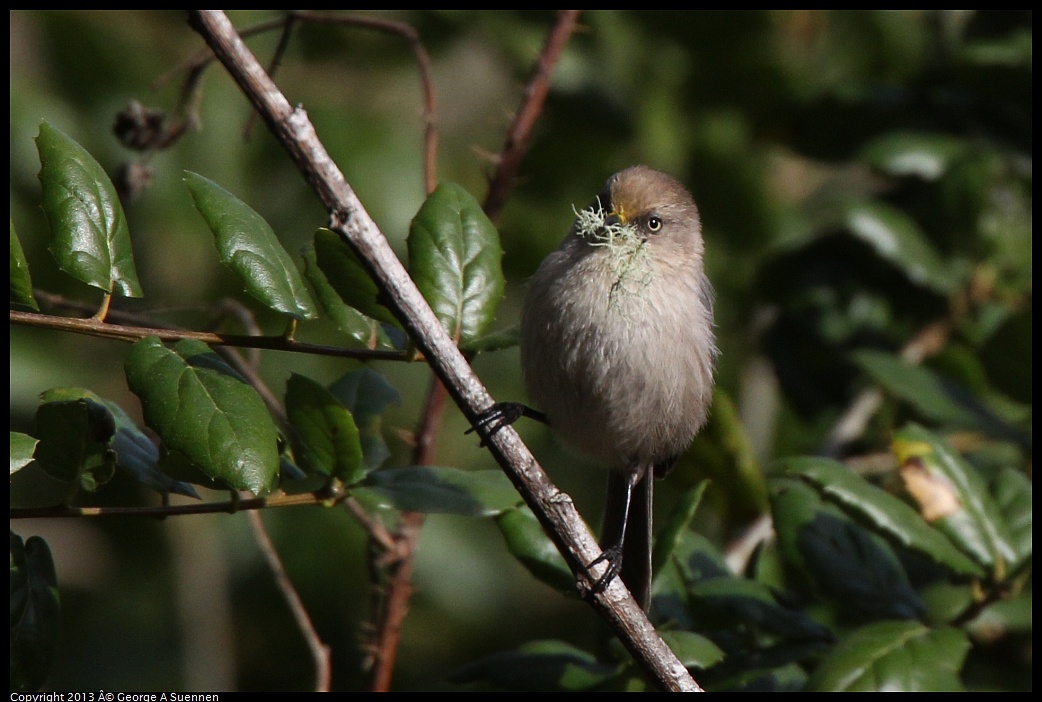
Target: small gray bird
(617, 350)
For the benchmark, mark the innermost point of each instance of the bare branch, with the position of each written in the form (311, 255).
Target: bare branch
(319, 651)
(531, 107)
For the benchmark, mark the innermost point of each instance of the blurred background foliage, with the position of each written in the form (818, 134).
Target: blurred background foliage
(864, 180)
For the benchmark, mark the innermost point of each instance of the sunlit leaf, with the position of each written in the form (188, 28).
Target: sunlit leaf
(936, 397)
(21, 283)
(247, 245)
(678, 521)
(205, 413)
(954, 498)
(924, 155)
(454, 257)
(528, 543)
(90, 239)
(22, 448)
(898, 239)
(884, 513)
(894, 657)
(693, 650)
(35, 612)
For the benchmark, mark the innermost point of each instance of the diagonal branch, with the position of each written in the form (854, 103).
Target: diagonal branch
(349, 219)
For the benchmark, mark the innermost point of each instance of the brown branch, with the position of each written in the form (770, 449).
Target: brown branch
(531, 107)
(319, 651)
(122, 332)
(231, 507)
(353, 224)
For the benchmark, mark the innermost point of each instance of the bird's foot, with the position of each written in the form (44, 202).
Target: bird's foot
(501, 414)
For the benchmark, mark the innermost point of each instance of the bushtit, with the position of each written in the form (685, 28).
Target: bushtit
(617, 349)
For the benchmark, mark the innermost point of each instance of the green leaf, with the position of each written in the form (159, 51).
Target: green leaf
(247, 245)
(936, 397)
(22, 448)
(538, 666)
(693, 650)
(846, 563)
(880, 510)
(676, 524)
(897, 238)
(481, 493)
(90, 239)
(205, 413)
(21, 284)
(35, 612)
(454, 257)
(726, 601)
(136, 454)
(894, 656)
(497, 340)
(326, 430)
(74, 442)
(1012, 490)
(900, 154)
(367, 331)
(367, 394)
(954, 498)
(345, 273)
(528, 543)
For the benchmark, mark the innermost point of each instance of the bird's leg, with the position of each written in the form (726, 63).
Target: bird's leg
(503, 414)
(614, 537)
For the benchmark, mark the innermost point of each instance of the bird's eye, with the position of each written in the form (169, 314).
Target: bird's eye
(654, 224)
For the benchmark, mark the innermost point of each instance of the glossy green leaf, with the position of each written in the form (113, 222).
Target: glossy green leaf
(90, 239)
(325, 429)
(205, 413)
(919, 154)
(894, 657)
(898, 239)
(343, 271)
(725, 601)
(693, 650)
(367, 331)
(247, 245)
(22, 448)
(968, 515)
(454, 257)
(496, 341)
(845, 562)
(481, 493)
(937, 398)
(881, 511)
(676, 523)
(74, 442)
(1013, 492)
(538, 666)
(367, 394)
(136, 454)
(35, 612)
(21, 283)
(528, 543)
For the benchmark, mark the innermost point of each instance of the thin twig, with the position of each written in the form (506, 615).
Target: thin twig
(531, 107)
(319, 650)
(320, 497)
(122, 332)
(349, 219)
